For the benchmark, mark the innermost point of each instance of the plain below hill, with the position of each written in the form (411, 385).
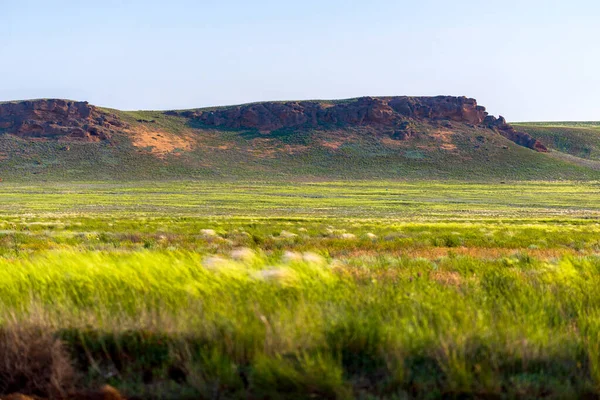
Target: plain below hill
(441, 137)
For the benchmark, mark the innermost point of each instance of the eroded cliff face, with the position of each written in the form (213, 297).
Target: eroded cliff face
(72, 120)
(509, 132)
(388, 112)
(365, 110)
(58, 120)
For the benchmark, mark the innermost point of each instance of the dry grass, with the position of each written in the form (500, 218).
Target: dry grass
(34, 362)
(389, 142)
(448, 278)
(434, 253)
(331, 144)
(106, 392)
(445, 136)
(16, 396)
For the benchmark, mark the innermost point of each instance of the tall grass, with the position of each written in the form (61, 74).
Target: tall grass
(329, 329)
(365, 297)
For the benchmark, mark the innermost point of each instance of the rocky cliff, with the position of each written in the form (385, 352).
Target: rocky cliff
(57, 119)
(71, 120)
(385, 112)
(509, 132)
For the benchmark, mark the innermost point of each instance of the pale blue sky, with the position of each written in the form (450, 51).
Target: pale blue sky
(524, 59)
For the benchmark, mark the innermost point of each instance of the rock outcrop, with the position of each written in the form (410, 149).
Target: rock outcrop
(80, 121)
(521, 138)
(387, 112)
(365, 110)
(58, 120)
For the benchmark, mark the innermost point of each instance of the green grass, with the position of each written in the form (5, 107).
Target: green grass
(580, 139)
(328, 153)
(364, 290)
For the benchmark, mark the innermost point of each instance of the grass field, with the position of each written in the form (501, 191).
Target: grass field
(328, 290)
(579, 139)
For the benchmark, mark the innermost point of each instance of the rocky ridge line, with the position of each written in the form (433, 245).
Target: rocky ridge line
(79, 121)
(58, 119)
(383, 112)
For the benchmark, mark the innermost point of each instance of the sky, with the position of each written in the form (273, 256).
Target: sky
(528, 60)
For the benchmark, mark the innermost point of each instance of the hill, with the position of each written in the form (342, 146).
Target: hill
(577, 142)
(403, 137)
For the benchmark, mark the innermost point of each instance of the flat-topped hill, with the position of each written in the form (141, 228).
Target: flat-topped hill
(369, 137)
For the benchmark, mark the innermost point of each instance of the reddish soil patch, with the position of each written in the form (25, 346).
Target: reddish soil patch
(160, 142)
(445, 136)
(448, 278)
(389, 142)
(331, 144)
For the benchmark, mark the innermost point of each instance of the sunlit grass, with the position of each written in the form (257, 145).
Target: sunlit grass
(196, 290)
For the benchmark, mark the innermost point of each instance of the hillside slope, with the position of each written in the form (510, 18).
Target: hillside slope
(440, 137)
(575, 142)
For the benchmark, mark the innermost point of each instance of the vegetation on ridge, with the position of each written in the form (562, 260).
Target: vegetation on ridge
(580, 139)
(158, 145)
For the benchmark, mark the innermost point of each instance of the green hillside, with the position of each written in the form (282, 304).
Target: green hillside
(160, 146)
(580, 139)
(573, 142)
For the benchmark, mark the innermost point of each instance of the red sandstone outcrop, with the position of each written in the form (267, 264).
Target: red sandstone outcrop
(70, 120)
(57, 119)
(385, 112)
(509, 132)
(363, 111)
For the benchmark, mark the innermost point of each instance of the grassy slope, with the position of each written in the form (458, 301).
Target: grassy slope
(579, 139)
(355, 153)
(368, 290)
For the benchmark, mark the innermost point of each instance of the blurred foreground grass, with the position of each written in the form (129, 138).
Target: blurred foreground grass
(322, 290)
